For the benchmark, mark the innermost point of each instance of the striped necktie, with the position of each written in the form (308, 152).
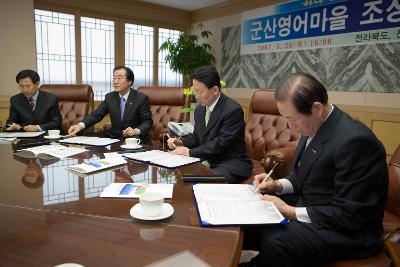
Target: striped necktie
(208, 115)
(32, 103)
(122, 106)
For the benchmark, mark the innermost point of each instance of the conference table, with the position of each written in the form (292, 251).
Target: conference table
(60, 218)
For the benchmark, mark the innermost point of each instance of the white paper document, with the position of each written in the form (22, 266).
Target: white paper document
(162, 158)
(89, 140)
(21, 134)
(234, 204)
(6, 140)
(112, 155)
(134, 190)
(96, 165)
(57, 151)
(182, 259)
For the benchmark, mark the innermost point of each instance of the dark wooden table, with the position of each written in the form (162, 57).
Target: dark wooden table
(50, 215)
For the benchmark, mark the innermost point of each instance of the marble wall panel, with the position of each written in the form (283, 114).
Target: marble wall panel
(362, 68)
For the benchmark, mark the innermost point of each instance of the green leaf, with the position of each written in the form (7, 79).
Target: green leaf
(186, 110)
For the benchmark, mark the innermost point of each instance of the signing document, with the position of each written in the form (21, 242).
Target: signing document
(233, 204)
(161, 158)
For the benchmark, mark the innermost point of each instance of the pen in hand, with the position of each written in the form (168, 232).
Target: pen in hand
(267, 176)
(169, 137)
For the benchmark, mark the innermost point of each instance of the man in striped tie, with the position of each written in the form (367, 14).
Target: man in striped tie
(33, 110)
(129, 109)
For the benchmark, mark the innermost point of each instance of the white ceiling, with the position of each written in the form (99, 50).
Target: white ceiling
(188, 5)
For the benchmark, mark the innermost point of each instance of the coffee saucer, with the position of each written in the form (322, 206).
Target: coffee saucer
(131, 147)
(53, 137)
(137, 213)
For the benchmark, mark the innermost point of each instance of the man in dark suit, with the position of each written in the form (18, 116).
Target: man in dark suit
(33, 110)
(129, 110)
(340, 177)
(218, 135)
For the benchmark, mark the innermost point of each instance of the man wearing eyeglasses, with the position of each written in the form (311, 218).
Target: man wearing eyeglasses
(32, 110)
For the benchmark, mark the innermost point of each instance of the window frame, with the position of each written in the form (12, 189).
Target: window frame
(119, 42)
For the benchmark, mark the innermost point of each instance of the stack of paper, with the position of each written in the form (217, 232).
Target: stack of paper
(7, 139)
(234, 204)
(134, 190)
(162, 158)
(89, 140)
(21, 134)
(57, 151)
(96, 165)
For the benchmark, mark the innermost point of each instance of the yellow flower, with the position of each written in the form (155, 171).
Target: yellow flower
(223, 83)
(188, 91)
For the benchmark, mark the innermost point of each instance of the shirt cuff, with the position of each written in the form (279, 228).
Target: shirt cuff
(82, 125)
(39, 128)
(287, 187)
(138, 130)
(302, 215)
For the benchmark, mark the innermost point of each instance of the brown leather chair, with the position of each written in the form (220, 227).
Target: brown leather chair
(166, 104)
(391, 219)
(75, 100)
(267, 133)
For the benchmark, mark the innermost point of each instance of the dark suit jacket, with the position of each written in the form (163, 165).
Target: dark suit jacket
(137, 114)
(46, 114)
(221, 143)
(342, 181)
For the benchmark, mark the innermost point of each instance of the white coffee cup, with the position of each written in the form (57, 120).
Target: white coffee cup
(151, 203)
(54, 132)
(132, 141)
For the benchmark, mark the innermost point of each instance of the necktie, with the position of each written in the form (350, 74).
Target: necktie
(208, 115)
(32, 103)
(122, 106)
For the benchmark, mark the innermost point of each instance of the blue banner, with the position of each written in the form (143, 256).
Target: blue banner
(306, 19)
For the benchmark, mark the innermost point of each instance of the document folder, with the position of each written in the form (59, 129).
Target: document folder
(234, 204)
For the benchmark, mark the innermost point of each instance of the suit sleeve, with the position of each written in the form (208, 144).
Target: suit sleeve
(13, 116)
(360, 186)
(146, 122)
(54, 116)
(232, 125)
(97, 115)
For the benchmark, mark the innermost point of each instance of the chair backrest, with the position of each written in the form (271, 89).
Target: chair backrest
(393, 203)
(75, 100)
(166, 104)
(266, 129)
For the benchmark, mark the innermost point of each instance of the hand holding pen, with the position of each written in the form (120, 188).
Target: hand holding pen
(174, 142)
(267, 177)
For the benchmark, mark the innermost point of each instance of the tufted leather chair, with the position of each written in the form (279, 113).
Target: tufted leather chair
(75, 101)
(267, 133)
(166, 104)
(391, 219)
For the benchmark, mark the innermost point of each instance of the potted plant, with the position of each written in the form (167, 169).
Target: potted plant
(186, 55)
